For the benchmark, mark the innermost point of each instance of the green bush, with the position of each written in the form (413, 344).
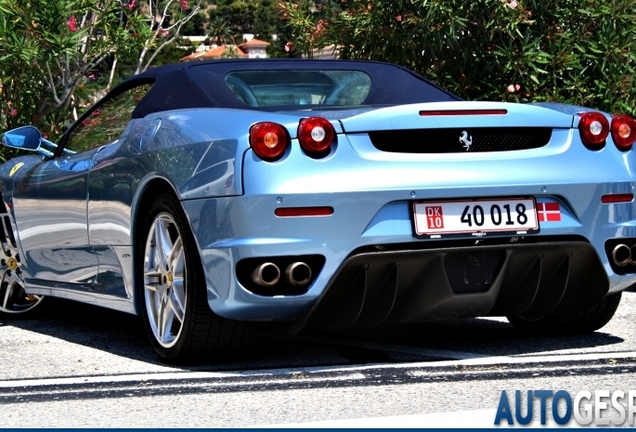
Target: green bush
(580, 52)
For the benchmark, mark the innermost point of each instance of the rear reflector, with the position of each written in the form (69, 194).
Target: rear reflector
(303, 211)
(464, 112)
(617, 198)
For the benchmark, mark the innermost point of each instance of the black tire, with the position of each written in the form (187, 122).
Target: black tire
(585, 321)
(180, 324)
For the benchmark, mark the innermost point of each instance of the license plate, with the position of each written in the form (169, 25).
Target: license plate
(477, 217)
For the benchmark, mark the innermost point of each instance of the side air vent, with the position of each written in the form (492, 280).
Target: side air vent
(460, 140)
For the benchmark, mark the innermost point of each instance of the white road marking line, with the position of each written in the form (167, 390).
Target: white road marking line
(310, 374)
(292, 376)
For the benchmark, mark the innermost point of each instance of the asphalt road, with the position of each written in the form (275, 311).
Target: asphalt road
(80, 366)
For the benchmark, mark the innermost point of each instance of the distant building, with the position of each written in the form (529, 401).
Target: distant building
(253, 47)
(250, 48)
(213, 52)
(194, 40)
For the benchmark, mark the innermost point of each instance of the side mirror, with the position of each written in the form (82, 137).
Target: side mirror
(25, 138)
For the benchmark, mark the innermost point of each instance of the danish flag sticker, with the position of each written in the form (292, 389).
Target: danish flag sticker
(549, 212)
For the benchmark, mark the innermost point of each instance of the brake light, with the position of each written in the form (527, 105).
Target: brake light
(464, 112)
(316, 134)
(623, 131)
(268, 140)
(594, 129)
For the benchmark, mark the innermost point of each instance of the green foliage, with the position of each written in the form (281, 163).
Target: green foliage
(220, 32)
(258, 17)
(49, 48)
(58, 55)
(196, 26)
(572, 51)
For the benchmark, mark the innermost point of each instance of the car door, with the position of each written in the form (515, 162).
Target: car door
(51, 204)
(50, 211)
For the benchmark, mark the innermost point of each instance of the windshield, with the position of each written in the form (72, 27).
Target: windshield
(299, 87)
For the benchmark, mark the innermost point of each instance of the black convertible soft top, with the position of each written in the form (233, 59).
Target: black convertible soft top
(202, 84)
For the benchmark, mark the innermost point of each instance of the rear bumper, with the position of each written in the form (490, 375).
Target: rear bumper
(532, 279)
(375, 269)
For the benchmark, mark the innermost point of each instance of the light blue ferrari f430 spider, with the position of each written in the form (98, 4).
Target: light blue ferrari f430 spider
(205, 196)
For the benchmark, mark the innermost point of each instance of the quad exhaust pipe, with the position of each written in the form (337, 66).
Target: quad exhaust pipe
(298, 274)
(268, 274)
(623, 255)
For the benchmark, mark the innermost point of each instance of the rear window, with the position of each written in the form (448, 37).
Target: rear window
(267, 88)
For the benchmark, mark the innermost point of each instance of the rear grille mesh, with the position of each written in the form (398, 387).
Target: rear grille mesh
(473, 272)
(460, 140)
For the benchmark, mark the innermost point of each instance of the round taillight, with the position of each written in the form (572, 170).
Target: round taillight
(623, 131)
(269, 140)
(316, 134)
(594, 129)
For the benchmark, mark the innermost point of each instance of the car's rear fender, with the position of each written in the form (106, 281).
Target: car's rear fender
(202, 149)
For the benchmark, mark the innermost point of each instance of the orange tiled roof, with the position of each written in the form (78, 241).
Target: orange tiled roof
(254, 43)
(212, 53)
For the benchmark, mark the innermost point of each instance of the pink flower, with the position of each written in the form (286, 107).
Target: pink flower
(91, 76)
(511, 88)
(320, 27)
(288, 46)
(132, 4)
(165, 33)
(398, 18)
(72, 23)
(184, 4)
(513, 4)
(13, 112)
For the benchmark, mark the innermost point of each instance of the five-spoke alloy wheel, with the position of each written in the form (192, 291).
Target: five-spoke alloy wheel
(164, 280)
(181, 326)
(14, 299)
